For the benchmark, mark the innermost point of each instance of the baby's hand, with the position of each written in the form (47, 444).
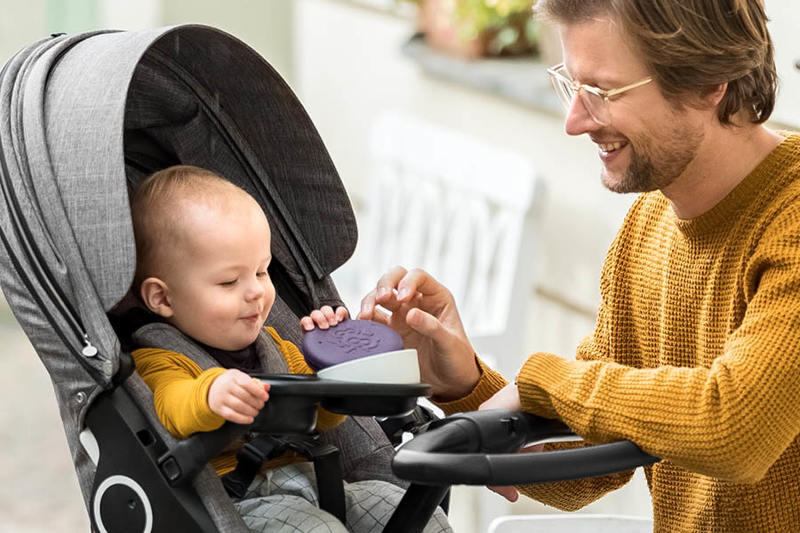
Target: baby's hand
(237, 397)
(323, 318)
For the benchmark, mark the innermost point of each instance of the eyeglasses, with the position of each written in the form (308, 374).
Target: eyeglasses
(594, 99)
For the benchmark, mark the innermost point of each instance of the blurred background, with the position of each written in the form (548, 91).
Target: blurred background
(472, 92)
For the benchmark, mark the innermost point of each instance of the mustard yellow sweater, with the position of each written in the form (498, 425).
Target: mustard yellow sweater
(180, 394)
(695, 357)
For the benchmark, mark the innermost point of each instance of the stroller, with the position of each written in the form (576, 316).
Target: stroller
(84, 119)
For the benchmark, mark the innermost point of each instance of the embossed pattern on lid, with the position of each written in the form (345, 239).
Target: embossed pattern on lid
(348, 340)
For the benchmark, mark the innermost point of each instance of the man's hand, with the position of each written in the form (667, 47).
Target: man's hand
(508, 398)
(323, 318)
(424, 313)
(505, 398)
(237, 397)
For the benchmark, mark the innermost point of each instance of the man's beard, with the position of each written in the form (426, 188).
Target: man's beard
(657, 161)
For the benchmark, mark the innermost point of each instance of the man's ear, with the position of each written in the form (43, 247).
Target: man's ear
(714, 94)
(155, 295)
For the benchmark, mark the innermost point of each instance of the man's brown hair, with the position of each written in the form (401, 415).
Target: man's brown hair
(693, 46)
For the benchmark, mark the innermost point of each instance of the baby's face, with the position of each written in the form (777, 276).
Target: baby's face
(219, 288)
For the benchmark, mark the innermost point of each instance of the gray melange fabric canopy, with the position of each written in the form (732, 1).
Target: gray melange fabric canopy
(82, 119)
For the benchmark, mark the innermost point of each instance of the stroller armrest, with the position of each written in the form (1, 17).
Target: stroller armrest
(291, 410)
(185, 459)
(478, 449)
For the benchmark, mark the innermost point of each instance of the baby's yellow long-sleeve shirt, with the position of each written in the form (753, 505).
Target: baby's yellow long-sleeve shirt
(180, 394)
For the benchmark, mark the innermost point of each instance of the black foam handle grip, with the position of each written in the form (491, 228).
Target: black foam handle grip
(480, 448)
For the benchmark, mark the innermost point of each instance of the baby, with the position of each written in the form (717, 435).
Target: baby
(203, 248)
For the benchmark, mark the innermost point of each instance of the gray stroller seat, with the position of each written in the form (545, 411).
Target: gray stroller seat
(83, 119)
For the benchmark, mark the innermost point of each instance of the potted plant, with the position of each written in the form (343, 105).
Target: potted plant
(477, 28)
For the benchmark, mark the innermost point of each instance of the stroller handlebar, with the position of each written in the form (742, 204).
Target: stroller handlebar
(479, 448)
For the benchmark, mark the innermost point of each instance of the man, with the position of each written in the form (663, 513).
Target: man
(695, 356)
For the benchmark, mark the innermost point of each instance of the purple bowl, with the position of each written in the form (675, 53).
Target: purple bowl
(348, 340)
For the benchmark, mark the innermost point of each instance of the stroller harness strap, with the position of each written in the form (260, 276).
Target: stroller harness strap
(327, 469)
(162, 335)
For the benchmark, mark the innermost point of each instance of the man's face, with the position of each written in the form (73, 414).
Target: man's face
(649, 142)
(218, 286)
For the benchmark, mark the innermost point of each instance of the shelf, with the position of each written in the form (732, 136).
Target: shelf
(521, 80)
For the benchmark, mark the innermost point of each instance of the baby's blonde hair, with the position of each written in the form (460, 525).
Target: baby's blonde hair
(157, 216)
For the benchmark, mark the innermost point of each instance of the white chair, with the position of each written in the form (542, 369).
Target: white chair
(572, 523)
(459, 208)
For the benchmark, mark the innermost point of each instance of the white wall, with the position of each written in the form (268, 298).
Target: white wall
(265, 25)
(21, 23)
(784, 27)
(124, 15)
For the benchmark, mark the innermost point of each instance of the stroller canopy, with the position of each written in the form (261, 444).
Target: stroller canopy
(85, 117)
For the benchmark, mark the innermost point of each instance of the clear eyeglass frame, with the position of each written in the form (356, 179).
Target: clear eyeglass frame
(595, 100)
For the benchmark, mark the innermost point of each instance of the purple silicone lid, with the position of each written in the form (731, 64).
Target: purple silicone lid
(351, 339)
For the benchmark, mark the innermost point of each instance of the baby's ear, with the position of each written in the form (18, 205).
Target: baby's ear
(155, 295)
